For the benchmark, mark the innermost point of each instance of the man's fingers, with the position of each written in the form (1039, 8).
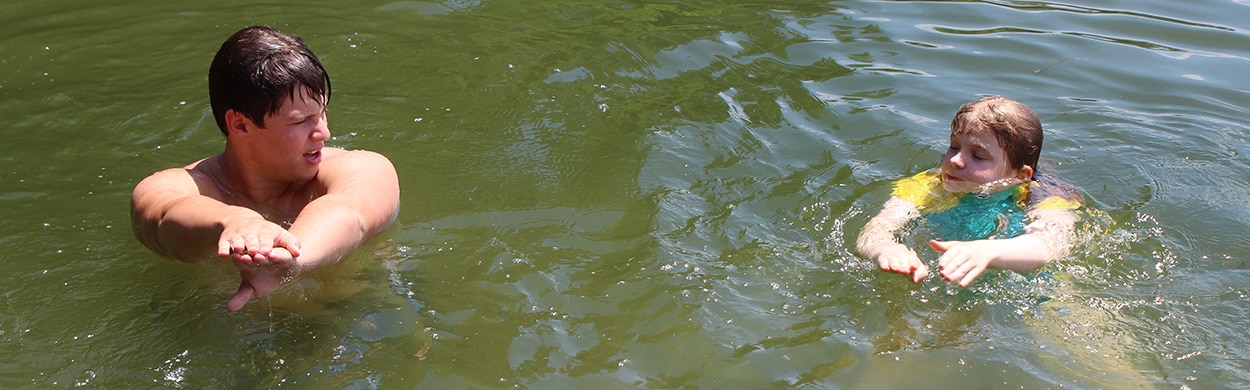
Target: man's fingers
(288, 241)
(252, 244)
(223, 248)
(241, 297)
(260, 259)
(237, 245)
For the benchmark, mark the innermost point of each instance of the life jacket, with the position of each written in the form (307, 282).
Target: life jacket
(967, 216)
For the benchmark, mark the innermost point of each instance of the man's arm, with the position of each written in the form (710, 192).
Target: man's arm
(361, 199)
(171, 216)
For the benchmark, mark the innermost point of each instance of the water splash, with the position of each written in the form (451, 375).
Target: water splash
(993, 187)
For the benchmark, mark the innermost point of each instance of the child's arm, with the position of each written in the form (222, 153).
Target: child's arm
(1047, 238)
(877, 240)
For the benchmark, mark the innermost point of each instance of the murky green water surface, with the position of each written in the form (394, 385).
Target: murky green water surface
(632, 194)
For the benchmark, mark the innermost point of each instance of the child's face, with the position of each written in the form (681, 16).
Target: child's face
(973, 160)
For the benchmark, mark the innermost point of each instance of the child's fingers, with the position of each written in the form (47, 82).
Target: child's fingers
(887, 263)
(920, 274)
(952, 265)
(962, 269)
(972, 275)
(903, 265)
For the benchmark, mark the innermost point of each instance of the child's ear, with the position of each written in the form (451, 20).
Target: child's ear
(1025, 173)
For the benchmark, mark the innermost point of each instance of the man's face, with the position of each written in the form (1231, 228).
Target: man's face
(288, 148)
(974, 160)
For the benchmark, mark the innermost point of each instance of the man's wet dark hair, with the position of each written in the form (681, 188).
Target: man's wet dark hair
(259, 68)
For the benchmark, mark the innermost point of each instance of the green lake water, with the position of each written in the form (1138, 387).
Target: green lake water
(638, 194)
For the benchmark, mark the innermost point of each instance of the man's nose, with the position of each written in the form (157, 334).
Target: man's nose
(322, 132)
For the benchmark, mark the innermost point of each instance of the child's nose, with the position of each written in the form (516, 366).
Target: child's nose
(957, 160)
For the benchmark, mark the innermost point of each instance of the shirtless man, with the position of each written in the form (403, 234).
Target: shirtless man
(277, 201)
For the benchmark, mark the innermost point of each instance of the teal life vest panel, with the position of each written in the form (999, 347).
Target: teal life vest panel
(966, 217)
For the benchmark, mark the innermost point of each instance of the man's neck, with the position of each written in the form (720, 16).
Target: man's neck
(242, 183)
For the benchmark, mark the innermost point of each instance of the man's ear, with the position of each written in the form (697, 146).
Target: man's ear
(236, 122)
(1025, 173)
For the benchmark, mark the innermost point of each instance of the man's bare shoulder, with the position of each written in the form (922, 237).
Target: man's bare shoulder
(368, 176)
(342, 163)
(194, 178)
(356, 156)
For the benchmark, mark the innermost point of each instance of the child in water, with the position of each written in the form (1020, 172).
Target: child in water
(988, 204)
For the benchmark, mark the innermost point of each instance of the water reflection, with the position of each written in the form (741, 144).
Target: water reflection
(634, 194)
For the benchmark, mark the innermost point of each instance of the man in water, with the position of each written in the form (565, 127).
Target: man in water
(277, 201)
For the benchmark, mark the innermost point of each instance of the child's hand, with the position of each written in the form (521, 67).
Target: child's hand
(901, 259)
(962, 261)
